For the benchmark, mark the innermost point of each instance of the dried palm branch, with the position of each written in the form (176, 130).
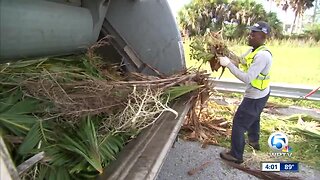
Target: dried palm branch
(209, 47)
(204, 122)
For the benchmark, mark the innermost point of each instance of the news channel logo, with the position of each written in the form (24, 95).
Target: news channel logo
(278, 142)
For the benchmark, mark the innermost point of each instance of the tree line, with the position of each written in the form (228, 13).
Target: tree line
(233, 17)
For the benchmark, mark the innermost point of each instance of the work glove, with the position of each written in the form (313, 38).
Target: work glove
(224, 61)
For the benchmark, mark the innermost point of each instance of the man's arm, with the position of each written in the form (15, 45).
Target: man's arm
(259, 63)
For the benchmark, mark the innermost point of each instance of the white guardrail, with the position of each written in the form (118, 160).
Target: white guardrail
(278, 90)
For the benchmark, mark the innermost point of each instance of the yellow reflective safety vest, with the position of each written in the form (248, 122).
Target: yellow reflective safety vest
(262, 81)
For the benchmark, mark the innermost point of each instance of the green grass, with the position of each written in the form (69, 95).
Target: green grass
(295, 102)
(304, 148)
(292, 65)
(281, 102)
(297, 65)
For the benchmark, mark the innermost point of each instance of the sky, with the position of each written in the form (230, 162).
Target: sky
(286, 17)
(176, 5)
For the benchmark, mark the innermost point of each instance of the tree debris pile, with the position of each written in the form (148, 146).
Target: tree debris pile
(209, 47)
(203, 122)
(70, 116)
(207, 121)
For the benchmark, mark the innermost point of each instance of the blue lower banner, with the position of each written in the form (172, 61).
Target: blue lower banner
(280, 166)
(289, 166)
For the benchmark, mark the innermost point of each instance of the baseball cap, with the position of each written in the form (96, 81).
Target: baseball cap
(261, 26)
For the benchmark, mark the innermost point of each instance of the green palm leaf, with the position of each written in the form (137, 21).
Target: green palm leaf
(90, 69)
(33, 138)
(85, 144)
(57, 173)
(62, 173)
(78, 167)
(17, 123)
(81, 149)
(58, 157)
(15, 113)
(43, 169)
(25, 106)
(24, 64)
(81, 152)
(8, 102)
(110, 145)
(175, 92)
(310, 133)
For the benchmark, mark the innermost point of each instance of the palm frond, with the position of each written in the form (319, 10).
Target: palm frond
(32, 139)
(81, 148)
(79, 167)
(177, 91)
(15, 113)
(54, 173)
(24, 64)
(57, 156)
(26, 106)
(16, 123)
(110, 145)
(84, 144)
(90, 69)
(310, 133)
(35, 135)
(42, 172)
(8, 102)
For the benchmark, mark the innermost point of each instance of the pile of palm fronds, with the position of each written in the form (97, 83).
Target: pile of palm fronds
(207, 122)
(209, 47)
(200, 124)
(72, 115)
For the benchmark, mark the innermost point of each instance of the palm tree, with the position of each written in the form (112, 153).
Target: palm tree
(201, 15)
(298, 7)
(315, 12)
(275, 24)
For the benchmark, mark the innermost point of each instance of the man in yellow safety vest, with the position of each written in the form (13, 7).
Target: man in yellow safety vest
(255, 73)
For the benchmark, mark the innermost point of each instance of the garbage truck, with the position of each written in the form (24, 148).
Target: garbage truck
(143, 33)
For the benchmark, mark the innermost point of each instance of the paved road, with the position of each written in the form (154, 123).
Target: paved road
(187, 155)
